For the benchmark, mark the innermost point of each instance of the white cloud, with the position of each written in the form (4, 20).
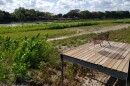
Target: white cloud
(2, 2)
(10, 5)
(63, 6)
(44, 5)
(104, 5)
(66, 5)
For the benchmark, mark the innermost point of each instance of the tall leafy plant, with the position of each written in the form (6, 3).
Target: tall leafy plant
(23, 54)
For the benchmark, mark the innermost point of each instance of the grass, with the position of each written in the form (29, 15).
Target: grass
(42, 26)
(122, 35)
(50, 33)
(57, 29)
(96, 20)
(52, 29)
(73, 41)
(15, 32)
(100, 25)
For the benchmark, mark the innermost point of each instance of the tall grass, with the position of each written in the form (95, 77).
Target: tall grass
(50, 33)
(48, 26)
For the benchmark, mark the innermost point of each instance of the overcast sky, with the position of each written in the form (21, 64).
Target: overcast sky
(63, 6)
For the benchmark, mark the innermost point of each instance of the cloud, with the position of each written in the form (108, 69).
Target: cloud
(2, 2)
(109, 5)
(66, 5)
(44, 5)
(63, 6)
(10, 5)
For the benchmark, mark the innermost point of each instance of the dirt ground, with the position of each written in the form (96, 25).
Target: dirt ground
(101, 79)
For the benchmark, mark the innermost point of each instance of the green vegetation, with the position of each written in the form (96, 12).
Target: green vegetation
(50, 33)
(56, 29)
(73, 41)
(122, 35)
(28, 58)
(17, 57)
(48, 26)
(99, 25)
(50, 29)
(23, 15)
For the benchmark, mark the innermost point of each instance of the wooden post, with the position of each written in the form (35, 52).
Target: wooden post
(62, 69)
(128, 78)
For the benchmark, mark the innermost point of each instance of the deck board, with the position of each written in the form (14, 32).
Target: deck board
(116, 56)
(121, 59)
(97, 55)
(110, 55)
(112, 60)
(82, 52)
(123, 62)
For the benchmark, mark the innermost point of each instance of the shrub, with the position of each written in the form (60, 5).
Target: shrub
(19, 55)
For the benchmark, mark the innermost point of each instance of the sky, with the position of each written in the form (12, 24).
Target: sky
(63, 6)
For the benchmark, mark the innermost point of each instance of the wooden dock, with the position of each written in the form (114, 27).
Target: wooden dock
(112, 60)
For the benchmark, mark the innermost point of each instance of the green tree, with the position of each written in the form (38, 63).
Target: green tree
(74, 13)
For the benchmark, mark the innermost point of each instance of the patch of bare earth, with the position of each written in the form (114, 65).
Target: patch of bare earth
(96, 78)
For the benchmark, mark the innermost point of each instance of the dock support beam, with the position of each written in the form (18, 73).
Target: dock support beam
(128, 77)
(62, 69)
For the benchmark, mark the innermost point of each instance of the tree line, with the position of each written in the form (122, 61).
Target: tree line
(24, 15)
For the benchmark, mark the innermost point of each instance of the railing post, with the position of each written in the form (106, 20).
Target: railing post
(62, 69)
(128, 77)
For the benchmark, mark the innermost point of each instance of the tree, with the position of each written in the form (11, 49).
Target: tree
(74, 13)
(5, 17)
(85, 14)
(1, 16)
(20, 14)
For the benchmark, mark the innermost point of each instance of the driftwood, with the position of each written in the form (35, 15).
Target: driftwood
(99, 38)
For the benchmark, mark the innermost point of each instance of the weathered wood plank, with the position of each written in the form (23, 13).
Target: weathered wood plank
(117, 56)
(97, 55)
(108, 55)
(85, 51)
(125, 69)
(77, 48)
(86, 57)
(108, 61)
(92, 53)
(121, 59)
(111, 53)
(127, 59)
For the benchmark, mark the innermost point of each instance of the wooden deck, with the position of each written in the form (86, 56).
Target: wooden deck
(112, 60)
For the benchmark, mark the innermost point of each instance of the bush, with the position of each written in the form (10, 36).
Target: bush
(19, 55)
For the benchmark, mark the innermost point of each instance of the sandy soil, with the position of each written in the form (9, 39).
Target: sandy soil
(100, 79)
